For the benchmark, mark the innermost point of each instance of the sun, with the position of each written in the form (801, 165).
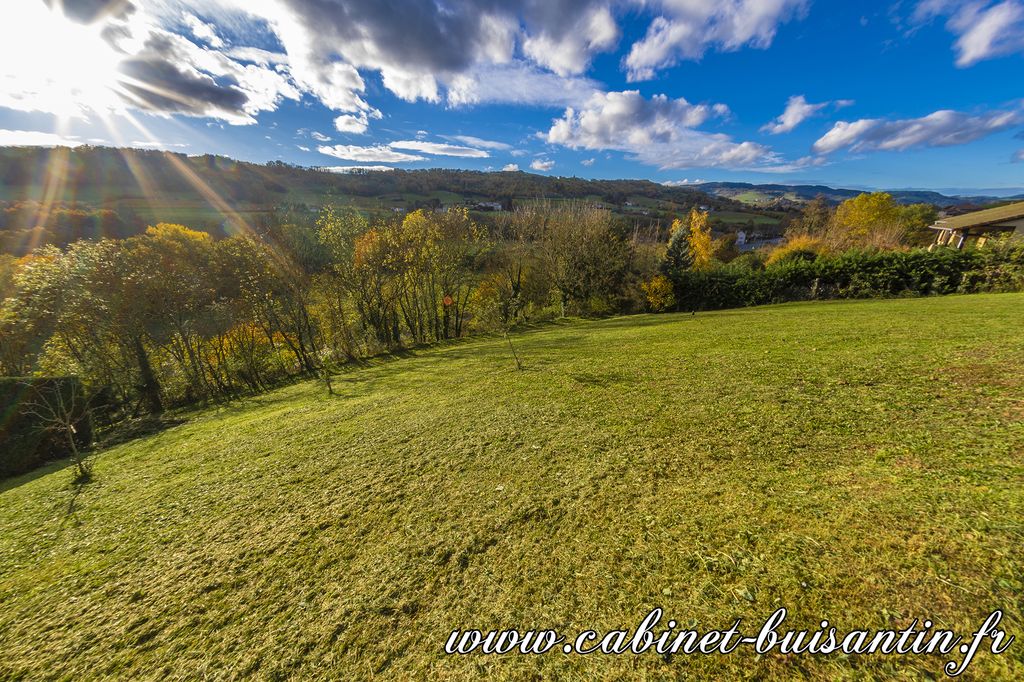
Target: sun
(50, 63)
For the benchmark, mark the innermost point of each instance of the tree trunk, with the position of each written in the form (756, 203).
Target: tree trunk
(150, 387)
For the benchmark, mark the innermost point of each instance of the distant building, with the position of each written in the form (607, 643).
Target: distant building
(741, 238)
(980, 226)
(488, 206)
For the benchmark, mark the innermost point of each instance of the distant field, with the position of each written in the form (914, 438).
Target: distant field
(735, 217)
(859, 461)
(752, 197)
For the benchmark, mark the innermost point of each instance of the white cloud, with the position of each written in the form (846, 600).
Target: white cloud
(34, 138)
(256, 56)
(984, 29)
(686, 29)
(439, 149)
(202, 30)
(800, 164)
(303, 148)
(510, 167)
(356, 123)
(163, 57)
(319, 137)
(543, 165)
(569, 53)
(518, 83)
(657, 131)
(683, 183)
(1018, 157)
(798, 110)
(471, 141)
(374, 154)
(843, 134)
(156, 144)
(355, 169)
(943, 128)
(587, 162)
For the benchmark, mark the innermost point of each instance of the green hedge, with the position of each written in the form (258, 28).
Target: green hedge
(854, 274)
(25, 442)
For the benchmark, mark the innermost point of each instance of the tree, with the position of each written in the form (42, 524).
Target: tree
(491, 301)
(659, 293)
(814, 220)
(60, 407)
(678, 255)
(582, 256)
(876, 220)
(701, 246)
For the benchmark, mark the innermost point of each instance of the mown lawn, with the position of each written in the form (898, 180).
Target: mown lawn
(856, 461)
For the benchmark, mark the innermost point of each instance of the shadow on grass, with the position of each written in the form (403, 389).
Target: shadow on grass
(133, 429)
(28, 477)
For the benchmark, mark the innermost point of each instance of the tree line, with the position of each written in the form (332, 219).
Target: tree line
(173, 316)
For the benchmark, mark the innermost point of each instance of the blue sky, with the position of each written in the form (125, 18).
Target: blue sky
(874, 94)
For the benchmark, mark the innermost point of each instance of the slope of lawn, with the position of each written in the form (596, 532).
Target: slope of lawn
(856, 461)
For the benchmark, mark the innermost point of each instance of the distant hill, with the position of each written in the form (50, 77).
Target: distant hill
(777, 196)
(100, 191)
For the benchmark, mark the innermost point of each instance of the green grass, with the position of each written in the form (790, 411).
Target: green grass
(737, 217)
(859, 461)
(753, 197)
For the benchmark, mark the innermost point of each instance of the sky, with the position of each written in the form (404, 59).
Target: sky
(912, 94)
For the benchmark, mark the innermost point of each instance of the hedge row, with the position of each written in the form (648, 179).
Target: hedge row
(854, 274)
(26, 442)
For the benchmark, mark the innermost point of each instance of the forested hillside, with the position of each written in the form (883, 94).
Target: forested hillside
(59, 195)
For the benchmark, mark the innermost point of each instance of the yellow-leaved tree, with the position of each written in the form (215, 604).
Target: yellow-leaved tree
(701, 244)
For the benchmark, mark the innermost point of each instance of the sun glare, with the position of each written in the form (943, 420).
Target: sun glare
(50, 63)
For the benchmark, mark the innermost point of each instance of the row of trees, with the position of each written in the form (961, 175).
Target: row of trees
(174, 316)
(872, 220)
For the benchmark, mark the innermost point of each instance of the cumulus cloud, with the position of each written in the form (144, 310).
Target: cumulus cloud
(172, 74)
(658, 131)
(89, 11)
(984, 29)
(798, 110)
(358, 122)
(374, 154)
(943, 128)
(439, 149)
(172, 59)
(543, 165)
(567, 44)
(686, 29)
(587, 162)
(510, 168)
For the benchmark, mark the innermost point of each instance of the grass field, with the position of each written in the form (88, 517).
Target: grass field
(734, 217)
(860, 461)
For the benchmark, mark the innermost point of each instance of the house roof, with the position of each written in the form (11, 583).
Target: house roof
(989, 216)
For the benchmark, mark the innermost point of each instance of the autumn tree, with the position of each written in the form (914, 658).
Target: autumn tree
(877, 220)
(700, 242)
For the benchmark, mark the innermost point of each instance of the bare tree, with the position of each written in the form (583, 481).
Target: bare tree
(60, 412)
